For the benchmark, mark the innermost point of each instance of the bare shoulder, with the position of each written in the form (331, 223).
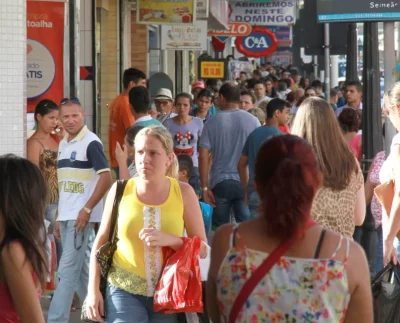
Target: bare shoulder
(186, 189)
(14, 254)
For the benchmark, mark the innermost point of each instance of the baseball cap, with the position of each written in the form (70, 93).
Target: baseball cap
(198, 85)
(164, 94)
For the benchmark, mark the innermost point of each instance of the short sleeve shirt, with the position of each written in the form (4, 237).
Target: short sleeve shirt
(186, 137)
(224, 135)
(80, 161)
(253, 145)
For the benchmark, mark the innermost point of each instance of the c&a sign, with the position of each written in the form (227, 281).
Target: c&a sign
(261, 42)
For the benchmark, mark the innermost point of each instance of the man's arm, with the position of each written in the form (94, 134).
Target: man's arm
(95, 155)
(244, 174)
(204, 167)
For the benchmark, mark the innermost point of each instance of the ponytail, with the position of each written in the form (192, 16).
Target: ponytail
(173, 169)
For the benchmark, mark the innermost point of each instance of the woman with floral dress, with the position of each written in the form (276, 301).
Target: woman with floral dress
(322, 277)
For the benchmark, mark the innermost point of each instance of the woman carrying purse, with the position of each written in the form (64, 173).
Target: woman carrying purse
(153, 213)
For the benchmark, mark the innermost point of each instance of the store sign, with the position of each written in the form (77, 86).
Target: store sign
(261, 42)
(281, 58)
(357, 11)
(212, 70)
(236, 29)
(202, 9)
(276, 13)
(166, 12)
(180, 37)
(45, 52)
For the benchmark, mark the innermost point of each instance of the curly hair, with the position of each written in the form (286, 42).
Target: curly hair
(349, 120)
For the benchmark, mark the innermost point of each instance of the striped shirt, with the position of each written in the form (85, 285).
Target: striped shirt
(80, 161)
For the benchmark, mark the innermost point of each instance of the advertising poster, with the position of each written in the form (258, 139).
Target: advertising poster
(183, 37)
(45, 49)
(212, 70)
(166, 12)
(274, 13)
(283, 35)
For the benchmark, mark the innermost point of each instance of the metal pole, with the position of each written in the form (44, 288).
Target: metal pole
(74, 35)
(389, 62)
(327, 63)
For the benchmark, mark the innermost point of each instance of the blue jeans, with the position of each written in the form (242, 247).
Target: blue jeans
(123, 307)
(51, 212)
(229, 194)
(254, 203)
(73, 271)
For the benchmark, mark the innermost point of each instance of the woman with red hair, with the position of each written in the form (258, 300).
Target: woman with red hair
(319, 277)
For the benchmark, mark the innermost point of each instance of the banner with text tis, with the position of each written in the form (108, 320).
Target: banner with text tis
(276, 13)
(45, 49)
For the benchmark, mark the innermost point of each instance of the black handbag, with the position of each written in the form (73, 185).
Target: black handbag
(105, 253)
(386, 294)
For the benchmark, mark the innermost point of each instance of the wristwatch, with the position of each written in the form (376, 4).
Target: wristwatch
(204, 189)
(87, 210)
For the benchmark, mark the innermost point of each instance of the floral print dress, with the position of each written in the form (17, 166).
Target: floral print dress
(295, 290)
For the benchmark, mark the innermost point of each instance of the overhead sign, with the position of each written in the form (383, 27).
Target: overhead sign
(357, 11)
(261, 42)
(181, 37)
(276, 13)
(166, 12)
(212, 69)
(45, 52)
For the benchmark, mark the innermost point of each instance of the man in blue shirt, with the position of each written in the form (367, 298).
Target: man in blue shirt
(139, 99)
(277, 115)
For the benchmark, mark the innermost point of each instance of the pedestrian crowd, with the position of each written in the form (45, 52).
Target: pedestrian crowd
(263, 170)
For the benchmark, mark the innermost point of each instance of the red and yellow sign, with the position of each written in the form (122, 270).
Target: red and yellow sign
(166, 12)
(212, 70)
(45, 51)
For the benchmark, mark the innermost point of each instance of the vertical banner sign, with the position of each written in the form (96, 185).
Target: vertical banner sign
(45, 49)
(166, 12)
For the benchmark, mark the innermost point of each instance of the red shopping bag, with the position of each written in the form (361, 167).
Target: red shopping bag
(179, 289)
(51, 281)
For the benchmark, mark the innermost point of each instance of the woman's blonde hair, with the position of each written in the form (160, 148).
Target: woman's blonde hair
(316, 122)
(162, 134)
(391, 98)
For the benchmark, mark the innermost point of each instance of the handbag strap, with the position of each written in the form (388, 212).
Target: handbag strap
(114, 216)
(260, 273)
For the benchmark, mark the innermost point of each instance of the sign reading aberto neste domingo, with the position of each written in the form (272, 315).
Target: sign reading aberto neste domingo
(357, 10)
(275, 13)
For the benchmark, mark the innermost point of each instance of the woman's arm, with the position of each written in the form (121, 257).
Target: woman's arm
(192, 217)
(368, 186)
(33, 151)
(360, 306)
(18, 275)
(220, 246)
(94, 302)
(360, 208)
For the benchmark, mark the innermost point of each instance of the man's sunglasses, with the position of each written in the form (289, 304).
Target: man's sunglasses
(73, 100)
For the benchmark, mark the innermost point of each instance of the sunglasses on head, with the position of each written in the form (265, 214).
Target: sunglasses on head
(73, 100)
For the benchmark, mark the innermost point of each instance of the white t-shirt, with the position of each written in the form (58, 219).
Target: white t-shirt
(80, 161)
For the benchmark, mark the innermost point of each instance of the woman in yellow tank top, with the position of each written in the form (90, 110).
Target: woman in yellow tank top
(154, 211)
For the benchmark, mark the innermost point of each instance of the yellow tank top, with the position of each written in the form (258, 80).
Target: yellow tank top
(136, 268)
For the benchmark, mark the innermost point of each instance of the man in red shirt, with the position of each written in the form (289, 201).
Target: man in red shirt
(121, 117)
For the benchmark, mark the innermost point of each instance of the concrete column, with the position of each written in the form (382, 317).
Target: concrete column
(13, 77)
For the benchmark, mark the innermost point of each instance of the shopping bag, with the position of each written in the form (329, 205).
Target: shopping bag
(386, 295)
(179, 288)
